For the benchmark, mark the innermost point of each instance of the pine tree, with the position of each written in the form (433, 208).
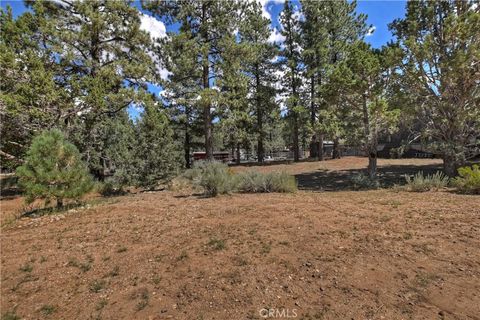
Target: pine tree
(360, 76)
(158, 158)
(206, 30)
(30, 99)
(102, 61)
(315, 57)
(344, 27)
(439, 49)
(292, 69)
(259, 67)
(53, 169)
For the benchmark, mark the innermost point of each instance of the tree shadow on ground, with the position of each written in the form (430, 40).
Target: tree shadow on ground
(38, 212)
(388, 176)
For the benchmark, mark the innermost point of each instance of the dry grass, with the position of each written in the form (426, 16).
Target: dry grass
(328, 255)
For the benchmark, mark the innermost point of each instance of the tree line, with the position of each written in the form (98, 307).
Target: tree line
(77, 66)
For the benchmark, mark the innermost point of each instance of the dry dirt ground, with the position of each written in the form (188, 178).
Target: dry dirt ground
(379, 254)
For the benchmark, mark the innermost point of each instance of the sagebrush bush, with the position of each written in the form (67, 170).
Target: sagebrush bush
(253, 181)
(422, 183)
(214, 177)
(109, 188)
(363, 181)
(468, 180)
(53, 169)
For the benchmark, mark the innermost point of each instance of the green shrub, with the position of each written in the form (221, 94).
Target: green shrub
(363, 181)
(53, 169)
(468, 180)
(253, 181)
(109, 188)
(214, 177)
(421, 183)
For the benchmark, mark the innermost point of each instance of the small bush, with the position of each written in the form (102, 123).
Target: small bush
(179, 184)
(253, 181)
(421, 183)
(468, 180)
(363, 181)
(109, 188)
(214, 177)
(53, 169)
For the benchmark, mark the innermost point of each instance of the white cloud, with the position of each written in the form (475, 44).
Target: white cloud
(157, 30)
(276, 37)
(155, 27)
(265, 6)
(371, 31)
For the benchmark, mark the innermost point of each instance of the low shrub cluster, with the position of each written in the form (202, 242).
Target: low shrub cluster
(253, 182)
(468, 180)
(421, 183)
(212, 176)
(217, 178)
(363, 181)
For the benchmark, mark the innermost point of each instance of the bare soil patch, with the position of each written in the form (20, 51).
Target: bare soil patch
(379, 254)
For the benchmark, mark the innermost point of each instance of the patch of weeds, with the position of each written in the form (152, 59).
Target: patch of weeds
(407, 236)
(385, 218)
(97, 286)
(101, 304)
(266, 248)
(134, 281)
(156, 279)
(28, 277)
(43, 259)
(106, 258)
(26, 268)
(421, 183)
(284, 243)
(240, 261)
(144, 297)
(423, 248)
(183, 255)
(122, 249)
(84, 266)
(114, 272)
(234, 277)
(361, 181)
(47, 309)
(158, 257)
(216, 244)
(423, 279)
(10, 315)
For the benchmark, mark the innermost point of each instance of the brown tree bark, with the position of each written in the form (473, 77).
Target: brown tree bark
(260, 148)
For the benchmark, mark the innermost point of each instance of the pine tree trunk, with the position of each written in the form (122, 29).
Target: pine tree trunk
(320, 147)
(207, 118)
(372, 165)
(313, 143)
(59, 203)
(450, 164)
(296, 150)
(187, 148)
(370, 141)
(237, 160)
(314, 147)
(336, 148)
(260, 148)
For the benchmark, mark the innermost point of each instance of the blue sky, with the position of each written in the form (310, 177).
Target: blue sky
(380, 14)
